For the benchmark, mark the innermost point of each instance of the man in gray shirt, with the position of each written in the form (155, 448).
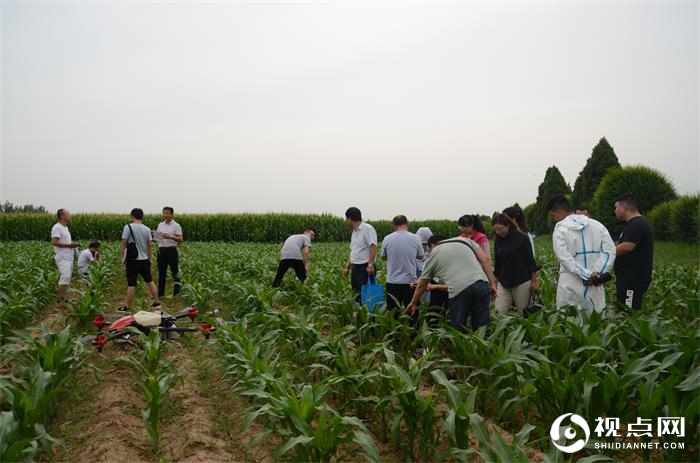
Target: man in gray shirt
(295, 254)
(137, 239)
(400, 250)
(464, 267)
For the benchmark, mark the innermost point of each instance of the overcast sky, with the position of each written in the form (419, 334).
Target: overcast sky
(426, 109)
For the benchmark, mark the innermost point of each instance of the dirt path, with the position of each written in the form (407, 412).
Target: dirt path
(201, 420)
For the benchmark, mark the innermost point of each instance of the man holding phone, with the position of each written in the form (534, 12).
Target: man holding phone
(168, 236)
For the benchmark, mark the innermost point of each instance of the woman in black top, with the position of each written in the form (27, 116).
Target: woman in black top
(515, 267)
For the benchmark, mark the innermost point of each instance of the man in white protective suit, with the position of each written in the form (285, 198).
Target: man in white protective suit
(585, 251)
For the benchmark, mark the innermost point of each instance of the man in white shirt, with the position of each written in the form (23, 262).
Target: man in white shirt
(91, 254)
(363, 251)
(63, 247)
(168, 235)
(295, 254)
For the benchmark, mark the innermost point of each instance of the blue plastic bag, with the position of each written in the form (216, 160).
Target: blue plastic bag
(372, 295)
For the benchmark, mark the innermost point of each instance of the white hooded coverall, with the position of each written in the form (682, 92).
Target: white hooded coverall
(582, 246)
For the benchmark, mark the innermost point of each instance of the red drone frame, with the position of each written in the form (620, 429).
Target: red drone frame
(146, 322)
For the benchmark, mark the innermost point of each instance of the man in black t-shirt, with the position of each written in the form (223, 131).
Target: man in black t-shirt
(635, 253)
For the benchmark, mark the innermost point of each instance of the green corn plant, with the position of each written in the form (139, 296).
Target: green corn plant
(198, 294)
(461, 399)
(27, 283)
(93, 299)
(31, 400)
(310, 429)
(349, 369)
(13, 445)
(155, 379)
(58, 353)
(492, 445)
(410, 406)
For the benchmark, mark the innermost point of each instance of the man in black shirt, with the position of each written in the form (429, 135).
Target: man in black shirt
(635, 253)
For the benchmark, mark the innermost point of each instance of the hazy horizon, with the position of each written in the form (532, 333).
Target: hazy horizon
(431, 110)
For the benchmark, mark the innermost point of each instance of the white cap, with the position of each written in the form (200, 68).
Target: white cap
(424, 234)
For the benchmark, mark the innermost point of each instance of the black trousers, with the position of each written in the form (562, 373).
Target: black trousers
(398, 295)
(439, 298)
(285, 264)
(168, 257)
(630, 293)
(473, 302)
(358, 278)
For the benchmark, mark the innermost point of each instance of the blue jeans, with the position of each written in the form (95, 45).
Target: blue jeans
(473, 302)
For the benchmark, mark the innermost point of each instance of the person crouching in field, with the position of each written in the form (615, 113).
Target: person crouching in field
(63, 247)
(400, 250)
(463, 266)
(86, 256)
(295, 254)
(168, 236)
(585, 251)
(363, 251)
(136, 250)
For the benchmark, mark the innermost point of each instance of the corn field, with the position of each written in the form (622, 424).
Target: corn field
(260, 228)
(524, 375)
(324, 380)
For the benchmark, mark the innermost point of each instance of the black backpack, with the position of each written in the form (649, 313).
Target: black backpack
(132, 252)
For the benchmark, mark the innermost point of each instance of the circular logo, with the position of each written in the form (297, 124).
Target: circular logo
(569, 433)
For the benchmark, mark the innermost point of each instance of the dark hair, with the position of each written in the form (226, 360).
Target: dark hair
(137, 213)
(168, 208)
(59, 213)
(558, 203)
(503, 219)
(628, 201)
(517, 214)
(581, 207)
(472, 221)
(311, 229)
(94, 244)
(399, 220)
(435, 239)
(353, 214)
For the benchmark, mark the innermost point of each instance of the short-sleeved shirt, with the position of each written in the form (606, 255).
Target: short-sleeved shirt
(401, 250)
(141, 236)
(362, 238)
(61, 232)
(293, 246)
(84, 259)
(172, 228)
(637, 265)
(454, 263)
